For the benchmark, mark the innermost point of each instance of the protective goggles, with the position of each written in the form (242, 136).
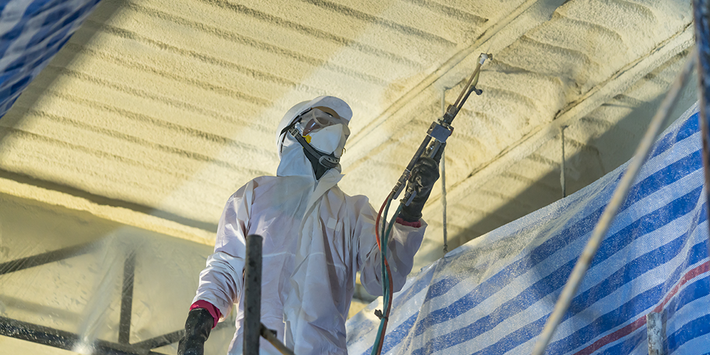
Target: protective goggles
(319, 117)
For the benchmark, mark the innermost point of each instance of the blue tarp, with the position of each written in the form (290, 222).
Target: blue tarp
(31, 33)
(494, 294)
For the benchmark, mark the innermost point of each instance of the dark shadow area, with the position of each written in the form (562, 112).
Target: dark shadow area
(535, 196)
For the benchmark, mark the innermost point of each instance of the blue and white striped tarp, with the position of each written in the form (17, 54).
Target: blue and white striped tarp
(31, 33)
(494, 294)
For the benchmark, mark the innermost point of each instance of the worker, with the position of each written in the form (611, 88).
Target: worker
(315, 239)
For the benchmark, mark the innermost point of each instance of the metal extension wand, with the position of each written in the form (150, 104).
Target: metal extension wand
(439, 130)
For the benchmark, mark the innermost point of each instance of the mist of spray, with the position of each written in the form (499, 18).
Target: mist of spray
(112, 255)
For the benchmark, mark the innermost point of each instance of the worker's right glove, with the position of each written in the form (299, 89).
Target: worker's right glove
(424, 174)
(197, 329)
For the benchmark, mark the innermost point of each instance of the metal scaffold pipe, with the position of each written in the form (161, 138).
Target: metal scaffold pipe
(563, 182)
(443, 181)
(701, 12)
(253, 328)
(252, 295)
(271, 338)
(619, 196)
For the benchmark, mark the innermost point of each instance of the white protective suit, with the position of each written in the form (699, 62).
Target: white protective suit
(315, 240)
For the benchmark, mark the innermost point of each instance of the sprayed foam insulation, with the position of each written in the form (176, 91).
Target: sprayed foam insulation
(172, 106)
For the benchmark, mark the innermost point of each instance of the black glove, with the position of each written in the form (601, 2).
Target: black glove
(197, 330)
(424, 174)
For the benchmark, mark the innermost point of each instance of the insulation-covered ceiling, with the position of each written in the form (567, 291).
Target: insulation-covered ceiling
(156, 111)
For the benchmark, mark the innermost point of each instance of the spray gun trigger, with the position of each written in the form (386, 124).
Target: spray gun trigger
(412, 195)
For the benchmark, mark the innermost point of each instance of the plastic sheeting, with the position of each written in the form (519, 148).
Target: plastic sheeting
(31, 33)
(66, 271)
(494, 294)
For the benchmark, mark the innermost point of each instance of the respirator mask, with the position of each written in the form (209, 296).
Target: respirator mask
(323, 130)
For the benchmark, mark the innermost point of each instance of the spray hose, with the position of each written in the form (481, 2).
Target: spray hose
(382, 238)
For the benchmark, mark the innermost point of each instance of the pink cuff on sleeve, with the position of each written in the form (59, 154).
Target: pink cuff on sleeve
(214, 311)
(416, 224)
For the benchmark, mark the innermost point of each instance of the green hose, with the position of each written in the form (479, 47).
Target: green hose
(384, 239)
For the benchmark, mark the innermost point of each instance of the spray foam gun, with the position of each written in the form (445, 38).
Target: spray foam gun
(439, 130)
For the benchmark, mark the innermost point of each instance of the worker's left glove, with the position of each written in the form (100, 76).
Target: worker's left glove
(197, 329)
(424, 174)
